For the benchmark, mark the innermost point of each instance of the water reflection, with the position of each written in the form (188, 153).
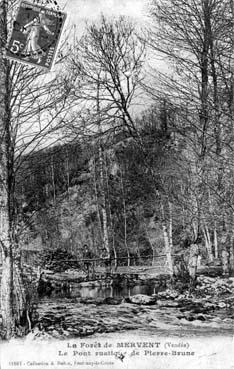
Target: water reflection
(94, 292)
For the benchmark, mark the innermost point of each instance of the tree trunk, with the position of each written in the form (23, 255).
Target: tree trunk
(111, 218)
(96, 199)
(12, 293)
(115, 252)
(8, 323)
(232, 252)
(192, 263)
(195, 205)
(204, 118)
(150, 242)
(102, 181)
(53, 179)
(208, 243)
(125, 219)
(6, 246)
(170, 227)
(216, 122)
(14, 307)
(167, 250)
(67, 173)
(167, 235)
(232, 66)
(225, 261)
(216, 250)
(103, 205)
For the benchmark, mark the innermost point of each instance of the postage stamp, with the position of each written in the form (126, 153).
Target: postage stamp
(36, 34)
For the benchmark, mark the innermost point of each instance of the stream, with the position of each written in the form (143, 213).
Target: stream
(83, 311)
(96, 292)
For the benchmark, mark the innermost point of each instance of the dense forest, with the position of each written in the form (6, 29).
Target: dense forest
(144, 164)
(62, 201)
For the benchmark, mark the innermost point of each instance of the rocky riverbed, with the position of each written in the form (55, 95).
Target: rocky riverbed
(208, 310)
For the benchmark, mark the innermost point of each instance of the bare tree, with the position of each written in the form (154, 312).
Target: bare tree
(33, 106)
(104, 73)
(195, 38)
(109, 55)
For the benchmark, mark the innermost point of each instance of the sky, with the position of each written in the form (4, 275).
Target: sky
(91, 9)
(80, 11)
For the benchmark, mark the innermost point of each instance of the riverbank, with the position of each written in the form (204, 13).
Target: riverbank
(206, 311)
(151, 305)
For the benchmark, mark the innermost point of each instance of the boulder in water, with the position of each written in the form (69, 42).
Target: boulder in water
(169, 294)
(142, 299)
(167, 303)
(112, 300)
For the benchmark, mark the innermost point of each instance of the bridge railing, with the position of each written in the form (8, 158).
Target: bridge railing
(114, 263)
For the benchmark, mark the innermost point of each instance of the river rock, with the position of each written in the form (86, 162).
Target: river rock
(215, 286)
(169, 294)
(92, 300)
(167, 303)
(222, 305)
(142, 300)
(193, 317)
(112, 300)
